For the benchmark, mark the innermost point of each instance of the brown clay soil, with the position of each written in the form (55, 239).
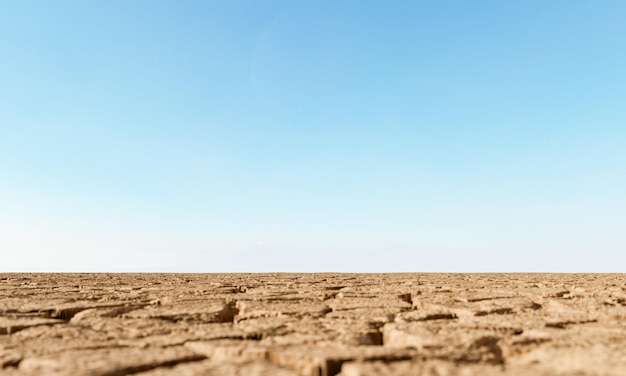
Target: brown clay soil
(312, 324)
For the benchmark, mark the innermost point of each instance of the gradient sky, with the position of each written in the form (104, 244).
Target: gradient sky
(366, 136)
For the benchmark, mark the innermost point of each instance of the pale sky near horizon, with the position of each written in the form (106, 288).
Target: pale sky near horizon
(356, 136)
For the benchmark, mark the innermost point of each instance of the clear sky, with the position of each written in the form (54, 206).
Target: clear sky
(367, 136)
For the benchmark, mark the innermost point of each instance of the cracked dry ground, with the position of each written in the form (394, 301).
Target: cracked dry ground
(312, 324)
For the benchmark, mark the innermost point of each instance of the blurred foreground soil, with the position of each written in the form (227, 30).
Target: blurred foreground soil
(312, 324)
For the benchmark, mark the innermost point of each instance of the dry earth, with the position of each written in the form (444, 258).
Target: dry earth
(312, 324)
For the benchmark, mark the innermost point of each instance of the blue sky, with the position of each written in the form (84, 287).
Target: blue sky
(363, 136)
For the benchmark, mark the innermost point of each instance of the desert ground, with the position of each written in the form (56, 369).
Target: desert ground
(312, 324)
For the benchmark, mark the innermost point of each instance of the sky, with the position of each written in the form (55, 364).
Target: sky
(348, 136)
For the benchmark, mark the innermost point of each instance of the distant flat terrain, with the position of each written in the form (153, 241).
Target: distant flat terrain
(312, 324)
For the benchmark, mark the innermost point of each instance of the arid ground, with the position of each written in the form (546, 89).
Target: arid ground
(312, 324)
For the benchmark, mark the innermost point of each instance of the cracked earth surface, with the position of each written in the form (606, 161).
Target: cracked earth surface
(312, 324)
